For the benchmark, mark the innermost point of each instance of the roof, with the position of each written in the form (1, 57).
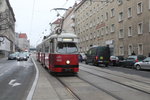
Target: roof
(22, 35)
(58, 21)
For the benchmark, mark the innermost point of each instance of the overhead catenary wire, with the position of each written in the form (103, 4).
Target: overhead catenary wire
(32, 15)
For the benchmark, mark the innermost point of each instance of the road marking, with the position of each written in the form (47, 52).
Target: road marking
(30, 95)
(1, 74)
(13, 83)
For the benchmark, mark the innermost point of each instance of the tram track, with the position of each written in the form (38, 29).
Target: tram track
(108, 92)
(116, 81)
(118, 75)
(69, 89)
(87, 82)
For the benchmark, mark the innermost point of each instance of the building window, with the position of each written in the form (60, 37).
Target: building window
(107, 29)
(119, 2)
(121, 34)
(111, 0)
(140, 49)
(129, 12)
(139, 8)
(102, 18)
(112, 27)
(112, 12)
(98, 33)
(140, 28)
(102, 32)
(106, 17)
(121, 50)
(130, 49)
(120, 16)
(129, 31)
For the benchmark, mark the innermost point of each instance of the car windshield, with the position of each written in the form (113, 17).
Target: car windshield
(66, 48)
(21, 55)
(131, 58)
(12, 54)
(147, 59)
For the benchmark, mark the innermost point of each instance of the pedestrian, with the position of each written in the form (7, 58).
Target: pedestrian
(133, 53)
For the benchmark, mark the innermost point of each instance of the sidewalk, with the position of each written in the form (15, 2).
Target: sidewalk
(44, 89)
(3, 59)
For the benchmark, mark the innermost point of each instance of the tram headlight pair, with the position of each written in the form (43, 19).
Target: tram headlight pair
(68, 62)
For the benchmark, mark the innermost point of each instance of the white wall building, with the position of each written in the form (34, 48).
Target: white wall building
(7, 28)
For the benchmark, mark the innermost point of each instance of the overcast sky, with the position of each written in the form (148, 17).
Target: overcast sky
(33, 16)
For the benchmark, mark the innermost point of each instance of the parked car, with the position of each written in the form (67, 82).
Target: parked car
(131, 60)
(12, 56)
(27, 54)
(145, 64)
(120, 60)
(21, 56)
(83, 56)
(114, 60)
(80, 58)
(98, 55)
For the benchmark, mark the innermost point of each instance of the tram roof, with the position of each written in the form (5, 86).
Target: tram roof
(59, 36)
(64, 35)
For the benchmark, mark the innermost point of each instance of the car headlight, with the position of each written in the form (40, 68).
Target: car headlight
(67, 62)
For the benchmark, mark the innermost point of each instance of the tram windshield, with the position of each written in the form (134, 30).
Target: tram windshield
(66, 48)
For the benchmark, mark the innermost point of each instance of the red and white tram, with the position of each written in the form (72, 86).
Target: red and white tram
(59, 53)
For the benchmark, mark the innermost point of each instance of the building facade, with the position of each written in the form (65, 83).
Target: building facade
(7, 28)
(124, 25)
(23, 42)
(69, 19)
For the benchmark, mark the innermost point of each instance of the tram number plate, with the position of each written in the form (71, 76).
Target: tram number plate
(68, 70)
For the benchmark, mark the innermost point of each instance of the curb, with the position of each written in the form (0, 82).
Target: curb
(30, 95)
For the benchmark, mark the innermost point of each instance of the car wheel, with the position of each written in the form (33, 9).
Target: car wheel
(138, 67)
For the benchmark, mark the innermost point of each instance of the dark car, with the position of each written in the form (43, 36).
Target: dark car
(12, 56)
(131, 60)
(22, 56)
(120, 60)
(98, 55)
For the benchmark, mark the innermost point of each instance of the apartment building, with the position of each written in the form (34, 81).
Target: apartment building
(69, 20)
(23, 42)
(124, 25)
(7, 28)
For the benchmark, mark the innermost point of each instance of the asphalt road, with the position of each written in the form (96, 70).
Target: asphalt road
(16, 79)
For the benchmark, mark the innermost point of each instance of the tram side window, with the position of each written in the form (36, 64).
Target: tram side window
(52, 46)
(46, 49)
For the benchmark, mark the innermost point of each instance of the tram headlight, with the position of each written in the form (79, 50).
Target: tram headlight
(67, 62)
